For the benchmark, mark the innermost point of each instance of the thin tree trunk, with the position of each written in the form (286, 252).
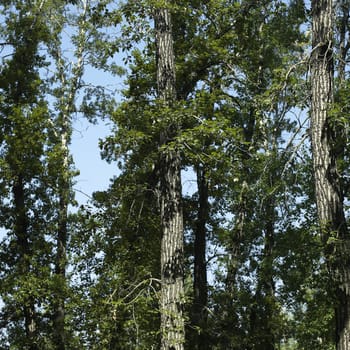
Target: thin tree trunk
(69, 89)
(344, 44)
(172, 269)
(236, 241)
(200, 284)
(236, 247)
(265, 293)
(21, 231)
(61, 242)
(241, 208)
(329, 195)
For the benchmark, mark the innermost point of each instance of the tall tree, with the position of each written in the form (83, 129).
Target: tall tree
(325, 148)
(172, 264)
(67, 83)
(24, 201)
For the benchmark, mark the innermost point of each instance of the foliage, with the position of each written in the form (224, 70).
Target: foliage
(241, 117)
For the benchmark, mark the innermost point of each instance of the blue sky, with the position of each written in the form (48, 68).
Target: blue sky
(95, 173)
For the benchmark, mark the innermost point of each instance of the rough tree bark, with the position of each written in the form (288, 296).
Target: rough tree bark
(172, 290)
(328, 189)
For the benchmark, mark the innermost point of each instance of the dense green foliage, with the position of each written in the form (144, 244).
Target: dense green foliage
(88, 277)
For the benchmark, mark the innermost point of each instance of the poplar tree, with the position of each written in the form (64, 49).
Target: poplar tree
(24, 198)
(172, 268)
(67, 82)
(327, 151)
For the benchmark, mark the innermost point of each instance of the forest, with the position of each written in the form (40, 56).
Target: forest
(246, 100)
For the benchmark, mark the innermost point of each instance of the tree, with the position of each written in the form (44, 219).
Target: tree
(172, 268)
(217, 89)
(35, 139)
(67, 84)
(24, 198)
(325, 149)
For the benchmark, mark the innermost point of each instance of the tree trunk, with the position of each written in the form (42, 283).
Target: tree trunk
(69, 89)
(61, 242)
(235, 242)
(344, 44)
(200, 284)
(172, 269)
(265, 293)
(21, 231)
(329, 194)
(241, 209)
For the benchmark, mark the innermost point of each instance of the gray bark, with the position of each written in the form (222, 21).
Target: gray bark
(329, 193)
(172, 289)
